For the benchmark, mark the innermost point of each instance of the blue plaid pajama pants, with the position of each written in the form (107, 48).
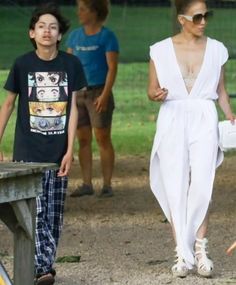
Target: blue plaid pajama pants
(49, 220)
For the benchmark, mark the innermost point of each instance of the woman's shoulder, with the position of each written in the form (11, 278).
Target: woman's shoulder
(159, 50)
(218, 50)
(216, 43)
(161, 44)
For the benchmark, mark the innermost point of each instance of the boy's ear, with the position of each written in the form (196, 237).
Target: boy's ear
(31, 34)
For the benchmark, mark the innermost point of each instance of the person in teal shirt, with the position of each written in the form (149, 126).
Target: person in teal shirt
(97, 48)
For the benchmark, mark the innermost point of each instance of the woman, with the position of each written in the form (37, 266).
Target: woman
(97, 48)
(187, 73)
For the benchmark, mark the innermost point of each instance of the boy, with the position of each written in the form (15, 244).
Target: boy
(45, 136)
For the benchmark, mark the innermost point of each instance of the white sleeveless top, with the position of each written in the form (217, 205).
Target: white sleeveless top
(204, 86)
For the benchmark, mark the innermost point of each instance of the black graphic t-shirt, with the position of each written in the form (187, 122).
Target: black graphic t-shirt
(45, 91)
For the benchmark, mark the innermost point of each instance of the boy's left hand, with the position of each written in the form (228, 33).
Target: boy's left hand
(65, 165)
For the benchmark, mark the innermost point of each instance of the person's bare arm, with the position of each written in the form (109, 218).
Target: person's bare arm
(155, 92)
(112, 62)
(5, 113)
(231, 248)
(73, 121)
(223, 99)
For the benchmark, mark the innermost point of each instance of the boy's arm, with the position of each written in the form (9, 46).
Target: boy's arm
(72, 127)
(5, 113)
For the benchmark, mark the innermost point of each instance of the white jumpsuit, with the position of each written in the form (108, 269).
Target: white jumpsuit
(185, 151)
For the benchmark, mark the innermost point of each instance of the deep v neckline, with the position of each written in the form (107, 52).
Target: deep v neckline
(179, 70)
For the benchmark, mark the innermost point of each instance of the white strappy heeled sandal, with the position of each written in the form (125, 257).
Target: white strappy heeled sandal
(204, 264)
(180, 268)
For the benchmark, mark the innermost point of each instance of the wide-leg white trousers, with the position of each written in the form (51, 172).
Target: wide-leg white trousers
(182, 167)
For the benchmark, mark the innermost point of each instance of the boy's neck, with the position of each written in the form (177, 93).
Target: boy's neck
(46, 53)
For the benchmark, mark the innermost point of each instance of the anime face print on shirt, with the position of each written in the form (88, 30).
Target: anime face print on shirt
(47, 86)
(47, 109)
(48, 93)
(47, 78)
(47, 102)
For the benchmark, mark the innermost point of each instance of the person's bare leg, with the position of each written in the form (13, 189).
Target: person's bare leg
(107, 155)
(231, 248)
(84, 135)
(179, 269)
(204, 264)
(202, 231)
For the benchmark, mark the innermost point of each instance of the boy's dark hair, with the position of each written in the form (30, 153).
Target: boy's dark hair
(52, 9)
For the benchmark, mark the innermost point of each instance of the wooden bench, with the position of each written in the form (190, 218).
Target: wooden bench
(20, 183)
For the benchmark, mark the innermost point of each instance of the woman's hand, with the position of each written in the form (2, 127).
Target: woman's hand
(231, 117)
(158, 95)
(155, 92)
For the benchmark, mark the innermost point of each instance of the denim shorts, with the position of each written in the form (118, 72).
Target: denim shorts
(88, 116)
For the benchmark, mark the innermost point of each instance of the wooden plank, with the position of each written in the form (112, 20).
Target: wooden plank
(23, 216)
(19, 188)
(19, 182)
(7, 215)
(24, 249)
(16, 169)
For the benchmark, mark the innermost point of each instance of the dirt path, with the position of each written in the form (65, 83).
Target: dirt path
(123, 240)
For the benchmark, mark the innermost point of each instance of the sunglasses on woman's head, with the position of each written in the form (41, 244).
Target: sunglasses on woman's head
(197, 18)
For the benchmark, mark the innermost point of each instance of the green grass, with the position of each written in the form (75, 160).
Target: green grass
(134, 118)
